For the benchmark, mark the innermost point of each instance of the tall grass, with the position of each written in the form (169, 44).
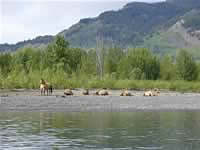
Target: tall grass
(61, 80)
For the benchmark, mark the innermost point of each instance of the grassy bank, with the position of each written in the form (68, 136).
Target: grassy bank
(62, 80)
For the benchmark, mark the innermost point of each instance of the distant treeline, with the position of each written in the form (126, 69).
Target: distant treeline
(113, 67)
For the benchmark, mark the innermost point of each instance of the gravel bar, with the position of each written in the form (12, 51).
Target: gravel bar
(25, 101)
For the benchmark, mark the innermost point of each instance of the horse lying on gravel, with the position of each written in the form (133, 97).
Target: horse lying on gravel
(102, 92)
(85, 92)
(125, 93)
(68, 92)
(45, 87)
(155, 92)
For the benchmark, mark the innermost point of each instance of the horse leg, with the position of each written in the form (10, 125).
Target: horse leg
(47, 91)
(50, 90)
(41, 91)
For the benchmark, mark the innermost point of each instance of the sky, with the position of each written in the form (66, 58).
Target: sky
(26, 19)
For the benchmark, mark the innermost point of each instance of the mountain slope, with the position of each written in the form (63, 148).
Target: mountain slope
(38, 41)
(185, 33)
(125, 27)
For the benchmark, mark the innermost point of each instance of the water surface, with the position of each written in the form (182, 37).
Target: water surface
(95, 131)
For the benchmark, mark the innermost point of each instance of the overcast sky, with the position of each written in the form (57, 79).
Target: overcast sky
(25, 19)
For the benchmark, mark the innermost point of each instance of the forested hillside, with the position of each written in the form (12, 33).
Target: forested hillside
(37, 42)
(126, 27)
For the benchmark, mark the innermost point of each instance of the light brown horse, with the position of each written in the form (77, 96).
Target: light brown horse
(45, 87)
(154, 92)
(102, 92)
(85, 92)
(68, 92)
(125, 93)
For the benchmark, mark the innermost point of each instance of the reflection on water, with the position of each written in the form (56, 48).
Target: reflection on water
(135, 130)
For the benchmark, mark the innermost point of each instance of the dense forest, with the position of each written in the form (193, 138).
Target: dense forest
(101, 67)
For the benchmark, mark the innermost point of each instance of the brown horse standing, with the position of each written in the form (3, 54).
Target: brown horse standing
(45, 87)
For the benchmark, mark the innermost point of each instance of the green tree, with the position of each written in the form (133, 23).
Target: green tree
(124, 67)
(74, 58)
(57, 54)
(5, 63)
(142, 62)
(167, 68)
(88, 63)
(112, 59)
(152, 68)
(186, 66)
(136, 74)
(27, 59)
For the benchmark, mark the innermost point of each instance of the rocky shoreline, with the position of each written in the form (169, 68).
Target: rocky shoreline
(30, 100)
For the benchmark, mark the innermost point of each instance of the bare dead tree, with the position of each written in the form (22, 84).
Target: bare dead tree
(100, 54)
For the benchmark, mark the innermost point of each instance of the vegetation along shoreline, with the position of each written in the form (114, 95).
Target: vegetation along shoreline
(102, 67)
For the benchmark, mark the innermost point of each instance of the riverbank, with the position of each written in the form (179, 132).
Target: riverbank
(30, 100)
(94, 83)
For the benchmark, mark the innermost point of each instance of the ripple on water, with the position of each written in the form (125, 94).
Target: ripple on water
(150, 148)
(107, 132)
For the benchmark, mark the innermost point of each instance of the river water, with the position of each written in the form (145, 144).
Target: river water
(95, 131)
